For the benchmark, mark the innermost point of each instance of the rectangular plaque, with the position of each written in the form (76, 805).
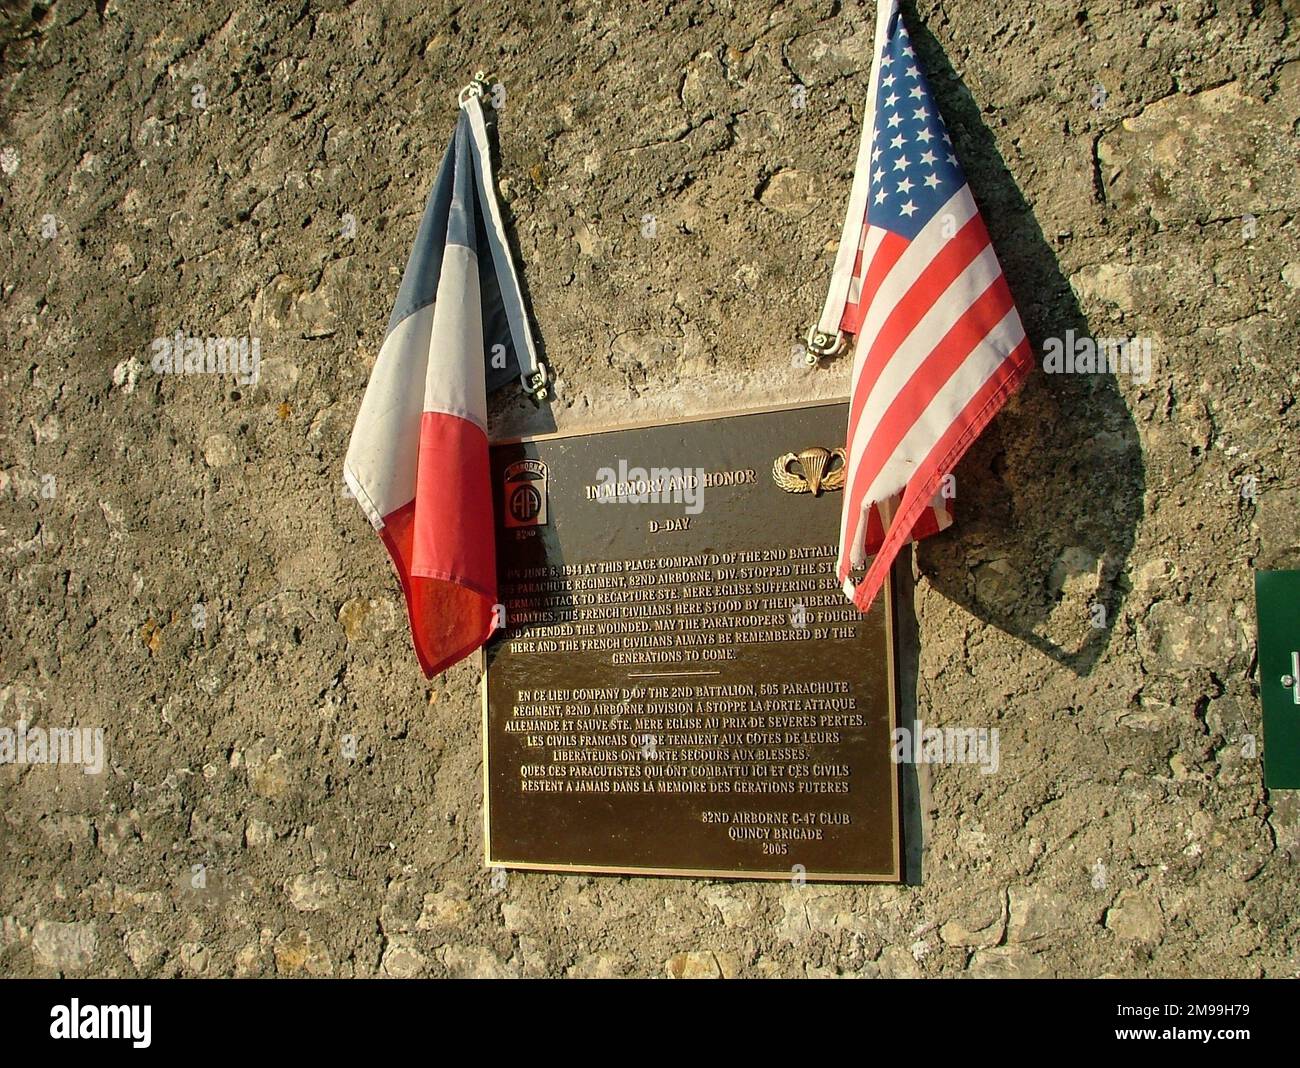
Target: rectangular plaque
(682, 688)
(1277, 608)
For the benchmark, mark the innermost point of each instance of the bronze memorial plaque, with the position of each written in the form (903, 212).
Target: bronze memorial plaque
(681, 687)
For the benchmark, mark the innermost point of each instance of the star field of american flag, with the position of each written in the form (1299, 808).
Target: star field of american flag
(913, 169)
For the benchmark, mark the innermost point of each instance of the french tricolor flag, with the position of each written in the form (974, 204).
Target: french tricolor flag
(418, 460)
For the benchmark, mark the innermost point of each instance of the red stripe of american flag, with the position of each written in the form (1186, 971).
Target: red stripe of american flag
(867, 279)
(947, 451)
(935, 370)
(955, 256)
(917, 512)
(891, 246)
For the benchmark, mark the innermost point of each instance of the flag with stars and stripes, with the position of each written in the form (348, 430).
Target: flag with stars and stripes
(939, 345)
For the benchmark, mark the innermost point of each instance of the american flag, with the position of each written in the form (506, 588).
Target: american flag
(939, 344)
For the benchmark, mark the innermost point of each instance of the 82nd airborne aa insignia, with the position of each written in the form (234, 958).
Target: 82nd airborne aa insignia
(524, 485)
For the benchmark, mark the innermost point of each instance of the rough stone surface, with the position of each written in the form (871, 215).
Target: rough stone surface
(283, 794)
(1135, 917)
(1038, 913)
(693, 966)
(1005, 962)
(64, 946)
(403, 960)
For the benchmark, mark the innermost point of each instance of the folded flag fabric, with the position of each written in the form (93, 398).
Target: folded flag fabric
(939, 345)
(418, 459)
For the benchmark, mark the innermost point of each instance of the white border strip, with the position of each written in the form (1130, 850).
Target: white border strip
(511, 295)
(855, 219)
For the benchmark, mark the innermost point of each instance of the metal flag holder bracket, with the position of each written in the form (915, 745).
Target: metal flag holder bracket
(535, 384)
(821, 344)
(479, 87)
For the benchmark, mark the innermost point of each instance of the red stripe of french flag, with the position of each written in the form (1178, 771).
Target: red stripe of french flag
(418, 464)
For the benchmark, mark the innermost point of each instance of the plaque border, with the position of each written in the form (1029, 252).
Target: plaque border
(893, 876)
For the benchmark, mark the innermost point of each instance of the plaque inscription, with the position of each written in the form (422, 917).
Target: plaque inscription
(681, 687)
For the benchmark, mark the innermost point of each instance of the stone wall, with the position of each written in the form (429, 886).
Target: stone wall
(182, 568)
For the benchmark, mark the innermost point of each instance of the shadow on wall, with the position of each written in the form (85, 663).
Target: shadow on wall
(912, 792)
(1049, 498)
